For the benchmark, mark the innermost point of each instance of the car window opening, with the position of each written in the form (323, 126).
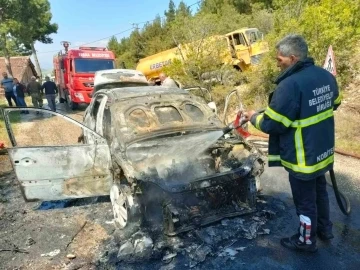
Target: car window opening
(168, 114)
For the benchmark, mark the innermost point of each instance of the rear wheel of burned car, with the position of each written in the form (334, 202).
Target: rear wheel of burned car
(125, 207)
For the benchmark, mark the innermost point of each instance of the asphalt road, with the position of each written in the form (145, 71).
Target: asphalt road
(343, 252)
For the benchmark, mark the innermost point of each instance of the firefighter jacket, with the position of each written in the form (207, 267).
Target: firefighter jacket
(300, 121)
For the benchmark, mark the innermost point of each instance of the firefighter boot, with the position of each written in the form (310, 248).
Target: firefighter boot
(294, 243)
(324, 235)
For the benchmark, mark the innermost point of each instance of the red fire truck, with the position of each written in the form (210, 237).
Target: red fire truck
(74, 72)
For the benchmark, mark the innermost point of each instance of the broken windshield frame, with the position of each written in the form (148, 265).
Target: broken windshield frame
(112, 85)
(253, 36)
(6, 110)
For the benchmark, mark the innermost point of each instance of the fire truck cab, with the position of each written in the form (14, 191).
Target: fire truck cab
(75, 70)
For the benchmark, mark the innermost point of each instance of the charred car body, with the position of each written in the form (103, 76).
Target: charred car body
(160, 152)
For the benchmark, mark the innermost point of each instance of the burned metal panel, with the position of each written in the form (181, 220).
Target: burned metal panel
(188, 201)
(189, 209)
(130, 131)
(60, 172)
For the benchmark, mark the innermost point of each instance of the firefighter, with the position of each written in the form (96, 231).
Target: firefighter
(300, 122)
(34, 89)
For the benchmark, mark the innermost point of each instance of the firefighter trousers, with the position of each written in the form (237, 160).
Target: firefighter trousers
(312, 206)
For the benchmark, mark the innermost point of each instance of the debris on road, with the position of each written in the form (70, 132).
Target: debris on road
(126, 249)
(201, 253)
(72, 239)
(19, 250)
(143, 244)
(228, 252)
(30, 241)
(265, 231)
(168, 257)
(70, 256)
(51, 254)
(251, 232)
(268, 213)
(225, 239)
(225, 222)
(139, 245)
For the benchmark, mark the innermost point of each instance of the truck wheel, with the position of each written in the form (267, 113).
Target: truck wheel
(72, 105)
(60, 90)
(126, 209)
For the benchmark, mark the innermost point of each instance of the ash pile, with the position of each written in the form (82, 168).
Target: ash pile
(224, 240)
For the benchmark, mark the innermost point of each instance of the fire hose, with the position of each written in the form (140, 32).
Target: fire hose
(342, 201)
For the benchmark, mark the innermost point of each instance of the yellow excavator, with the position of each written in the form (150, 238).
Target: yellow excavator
(244, 49)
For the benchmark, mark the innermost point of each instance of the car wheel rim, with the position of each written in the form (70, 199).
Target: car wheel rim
(118, 201)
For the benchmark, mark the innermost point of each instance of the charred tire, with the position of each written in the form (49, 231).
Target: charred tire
(125, 206)
(252, 192)
(71, 105)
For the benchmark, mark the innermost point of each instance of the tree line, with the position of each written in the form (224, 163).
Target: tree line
(321, 22)
(22, 23)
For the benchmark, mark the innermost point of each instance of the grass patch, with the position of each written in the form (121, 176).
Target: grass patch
(14, 118)
(347, 131)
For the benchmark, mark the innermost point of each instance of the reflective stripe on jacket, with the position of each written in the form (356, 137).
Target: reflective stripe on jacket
(300, 121)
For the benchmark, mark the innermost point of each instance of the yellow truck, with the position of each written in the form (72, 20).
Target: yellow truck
(244, 48)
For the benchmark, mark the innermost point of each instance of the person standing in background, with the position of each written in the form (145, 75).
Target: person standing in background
(34, 89)
(7, 84)
(167, 81)
(50, 92)
(20, 90)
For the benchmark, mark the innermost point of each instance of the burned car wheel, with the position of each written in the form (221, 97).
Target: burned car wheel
(125, 206)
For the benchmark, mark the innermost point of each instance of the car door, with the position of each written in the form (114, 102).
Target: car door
(94, 115)
(232, 105)
(49, 162)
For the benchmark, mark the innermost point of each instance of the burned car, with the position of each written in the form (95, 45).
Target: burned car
(159, 151)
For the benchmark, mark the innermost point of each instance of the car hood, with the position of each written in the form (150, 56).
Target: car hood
(182, 159)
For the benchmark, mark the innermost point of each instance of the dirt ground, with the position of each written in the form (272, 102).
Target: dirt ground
(28, 235)
(35, 237)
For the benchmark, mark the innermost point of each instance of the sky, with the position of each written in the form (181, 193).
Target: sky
(85, 21)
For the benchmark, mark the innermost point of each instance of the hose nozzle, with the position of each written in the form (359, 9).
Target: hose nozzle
(228, 128)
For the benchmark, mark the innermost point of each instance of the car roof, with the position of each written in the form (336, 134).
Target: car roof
(141, 91)
(109, 76)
